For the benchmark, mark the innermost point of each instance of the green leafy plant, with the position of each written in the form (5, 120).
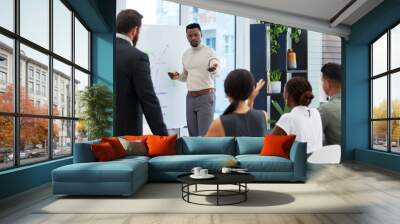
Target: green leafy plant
(280, 110)
(275, 75)
(295, 35)
(96, 104)
(278, 107)
(276, 30)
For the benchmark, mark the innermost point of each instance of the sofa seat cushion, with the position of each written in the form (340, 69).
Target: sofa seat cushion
(185, 163)
(257, 163)
(112, 171)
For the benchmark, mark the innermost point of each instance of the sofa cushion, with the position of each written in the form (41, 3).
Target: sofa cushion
(277, 145)
(207, 145)
(185, 163)
(103, 152)
(116, 145)
(135, 147)
(161, 145)
(83, 152)
(249, 145)
(257, 163)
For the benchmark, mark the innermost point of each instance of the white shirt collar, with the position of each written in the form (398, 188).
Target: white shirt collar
(124, 37)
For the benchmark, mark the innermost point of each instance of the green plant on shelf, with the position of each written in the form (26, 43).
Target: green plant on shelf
(275, 75)
(276, 30)
(295, 35)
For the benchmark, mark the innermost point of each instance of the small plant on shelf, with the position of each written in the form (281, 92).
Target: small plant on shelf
(275, 78)
(276, 75)
(295, 35)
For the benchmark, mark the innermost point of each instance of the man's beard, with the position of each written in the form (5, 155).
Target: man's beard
(195, 43)
(135, 40)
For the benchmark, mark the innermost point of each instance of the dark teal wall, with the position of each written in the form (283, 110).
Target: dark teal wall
(356, 84)
(99, 16)
(24, 178)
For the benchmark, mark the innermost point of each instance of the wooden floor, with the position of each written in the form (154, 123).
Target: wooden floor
(377, 188)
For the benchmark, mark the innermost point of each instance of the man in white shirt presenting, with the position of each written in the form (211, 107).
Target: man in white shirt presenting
(200, 67)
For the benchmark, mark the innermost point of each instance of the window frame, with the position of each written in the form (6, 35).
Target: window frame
(16, 115)
(388, 74)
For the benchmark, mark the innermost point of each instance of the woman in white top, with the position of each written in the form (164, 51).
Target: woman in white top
(302, 121)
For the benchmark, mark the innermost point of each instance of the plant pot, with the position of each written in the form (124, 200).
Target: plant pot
(276, 86)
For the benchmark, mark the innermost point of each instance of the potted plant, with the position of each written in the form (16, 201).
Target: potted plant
(279, 109)
(275, 78)
(96, 103)
(276, 30)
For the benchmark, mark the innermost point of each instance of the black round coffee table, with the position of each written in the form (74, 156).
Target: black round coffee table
(238, 179)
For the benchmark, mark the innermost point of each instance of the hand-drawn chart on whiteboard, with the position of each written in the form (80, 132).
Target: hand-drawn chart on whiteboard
(165, 46)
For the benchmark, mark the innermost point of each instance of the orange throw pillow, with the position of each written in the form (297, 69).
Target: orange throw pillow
(103, 152)
(116, 145)
(161, 145)
(277, 145)
(135, 138)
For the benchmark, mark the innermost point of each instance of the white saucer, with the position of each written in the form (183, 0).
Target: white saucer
(208, 176)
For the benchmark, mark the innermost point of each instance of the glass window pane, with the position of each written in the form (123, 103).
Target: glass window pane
(7, 14)
(379, 98)
(35, 21)
(395, 95)
(395, 47)
(379, 135)
(34, 97)
(62, 89)
(395, 136)
(33, 140)
(81, 131)
(62, 138)
(6, 74)
(81, 81)
(218, 31)
(379, 55)
(62, 29)
(156, 12)
(6, 142)
(81, 45)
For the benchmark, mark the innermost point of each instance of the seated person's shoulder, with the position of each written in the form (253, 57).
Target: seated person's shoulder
(326, 108)
(216, 129)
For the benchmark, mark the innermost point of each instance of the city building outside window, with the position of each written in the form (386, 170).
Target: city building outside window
(54, 129)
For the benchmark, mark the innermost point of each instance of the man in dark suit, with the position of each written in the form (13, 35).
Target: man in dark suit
(134, 88)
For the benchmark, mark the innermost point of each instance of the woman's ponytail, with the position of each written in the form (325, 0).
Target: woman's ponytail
(231, 108)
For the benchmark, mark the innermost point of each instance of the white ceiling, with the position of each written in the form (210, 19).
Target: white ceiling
(316, 15)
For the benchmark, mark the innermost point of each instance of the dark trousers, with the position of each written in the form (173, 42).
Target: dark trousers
(199, 113)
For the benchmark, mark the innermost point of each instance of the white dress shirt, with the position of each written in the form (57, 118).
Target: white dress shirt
(124, 37)
(306, 124)
(196, 61)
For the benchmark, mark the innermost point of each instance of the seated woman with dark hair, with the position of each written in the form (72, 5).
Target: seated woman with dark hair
(302, 121)
(239, 119)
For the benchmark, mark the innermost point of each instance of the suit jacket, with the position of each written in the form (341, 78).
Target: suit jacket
(135, 93)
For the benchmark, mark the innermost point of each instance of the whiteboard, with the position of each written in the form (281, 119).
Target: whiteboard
(165, 46)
